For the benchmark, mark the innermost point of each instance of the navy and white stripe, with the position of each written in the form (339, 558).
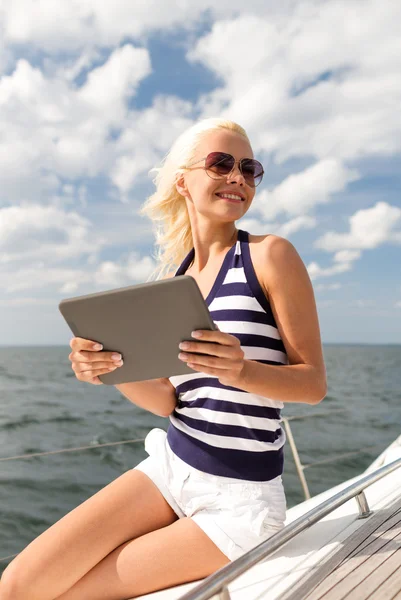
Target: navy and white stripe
(221, 429)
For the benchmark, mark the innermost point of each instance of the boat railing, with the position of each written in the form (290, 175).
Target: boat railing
(300, 467)
(215, 587)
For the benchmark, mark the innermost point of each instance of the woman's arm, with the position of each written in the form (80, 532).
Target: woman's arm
(293, 304)
(155, 395)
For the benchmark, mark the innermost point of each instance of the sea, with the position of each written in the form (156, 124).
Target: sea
(45, 409)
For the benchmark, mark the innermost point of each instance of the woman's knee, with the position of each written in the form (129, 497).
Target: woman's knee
(9, 588)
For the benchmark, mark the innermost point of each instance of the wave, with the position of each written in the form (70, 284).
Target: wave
(27, 420)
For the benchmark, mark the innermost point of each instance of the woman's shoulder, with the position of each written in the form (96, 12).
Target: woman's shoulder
(273, 255)
(269, 239)
(271, 246)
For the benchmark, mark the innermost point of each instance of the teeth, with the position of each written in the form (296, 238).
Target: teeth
(230, 196)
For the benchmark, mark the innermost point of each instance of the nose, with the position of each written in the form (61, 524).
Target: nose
(235, 175)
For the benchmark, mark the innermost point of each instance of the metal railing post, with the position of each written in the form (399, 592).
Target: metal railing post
(299, 466)
(363, 506)
(224, 594)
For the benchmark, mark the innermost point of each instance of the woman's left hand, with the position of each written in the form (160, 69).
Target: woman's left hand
(220, 355)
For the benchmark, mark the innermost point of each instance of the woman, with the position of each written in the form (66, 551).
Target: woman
(211, 489)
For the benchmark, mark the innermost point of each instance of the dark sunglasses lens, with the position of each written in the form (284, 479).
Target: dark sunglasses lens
(219, 163)
(252, 171)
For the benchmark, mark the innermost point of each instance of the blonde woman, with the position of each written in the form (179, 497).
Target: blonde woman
(211, 487)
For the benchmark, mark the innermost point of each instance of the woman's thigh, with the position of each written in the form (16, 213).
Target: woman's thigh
(127, 508)
(177, 554)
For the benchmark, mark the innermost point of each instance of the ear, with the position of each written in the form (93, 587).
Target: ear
(181, 185)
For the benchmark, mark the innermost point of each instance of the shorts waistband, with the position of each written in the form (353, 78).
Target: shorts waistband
(217, 479)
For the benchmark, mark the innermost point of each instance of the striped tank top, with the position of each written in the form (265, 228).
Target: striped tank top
(219, 429)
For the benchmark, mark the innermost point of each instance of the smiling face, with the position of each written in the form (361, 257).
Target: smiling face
(201, 191)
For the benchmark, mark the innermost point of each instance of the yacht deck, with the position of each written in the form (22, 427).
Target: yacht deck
(367, 566)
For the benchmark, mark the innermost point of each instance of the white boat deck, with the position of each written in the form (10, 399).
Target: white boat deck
(367, 566)
(329, 543)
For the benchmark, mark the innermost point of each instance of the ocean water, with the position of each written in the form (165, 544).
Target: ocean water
(44, 408)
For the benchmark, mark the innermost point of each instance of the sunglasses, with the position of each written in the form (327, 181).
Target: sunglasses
(220, 164)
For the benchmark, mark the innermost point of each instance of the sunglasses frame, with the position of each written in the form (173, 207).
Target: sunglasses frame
(236, 162)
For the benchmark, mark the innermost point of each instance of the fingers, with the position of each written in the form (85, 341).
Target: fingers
(205, 348)
(218, 354)
(83, 367)
(89, 374)
(215, 343)
(83, 351)
(213, 355)
(88, 363)
(228, 372)
(78, 344)
(217, 362)
(217, 336)
(93, 356)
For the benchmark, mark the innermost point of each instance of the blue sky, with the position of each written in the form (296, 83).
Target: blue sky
(93, 94)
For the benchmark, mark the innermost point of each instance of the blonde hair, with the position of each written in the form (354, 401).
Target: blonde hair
(166, 207)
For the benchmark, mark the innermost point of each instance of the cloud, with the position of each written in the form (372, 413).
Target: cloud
(70, 25)
(136, 269)
(285, 230)
(109, 86)
(44, 233)
(27, 301)
(321, 287)
(342, 263)
(363, 303)
(45, 236)
(369, 228)
(324, 80)
(50, 131)
(302, 192)
(54, 26)
(315, 271)
(324, 303)
(146, 136)
(296, 224)
(346, 255)
(66, 282)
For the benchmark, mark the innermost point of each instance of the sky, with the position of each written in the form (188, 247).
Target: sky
(94, 92)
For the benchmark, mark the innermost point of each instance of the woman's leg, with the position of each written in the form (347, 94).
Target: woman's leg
(176, 554)
(129, 507)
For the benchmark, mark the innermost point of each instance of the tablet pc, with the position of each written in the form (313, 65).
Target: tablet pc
(144, 323)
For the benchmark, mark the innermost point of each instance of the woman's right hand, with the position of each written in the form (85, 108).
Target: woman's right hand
(88, 363)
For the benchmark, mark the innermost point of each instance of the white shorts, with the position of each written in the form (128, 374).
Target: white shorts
(236, 515)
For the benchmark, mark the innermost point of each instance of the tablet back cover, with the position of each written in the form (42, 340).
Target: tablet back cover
(145, 323)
